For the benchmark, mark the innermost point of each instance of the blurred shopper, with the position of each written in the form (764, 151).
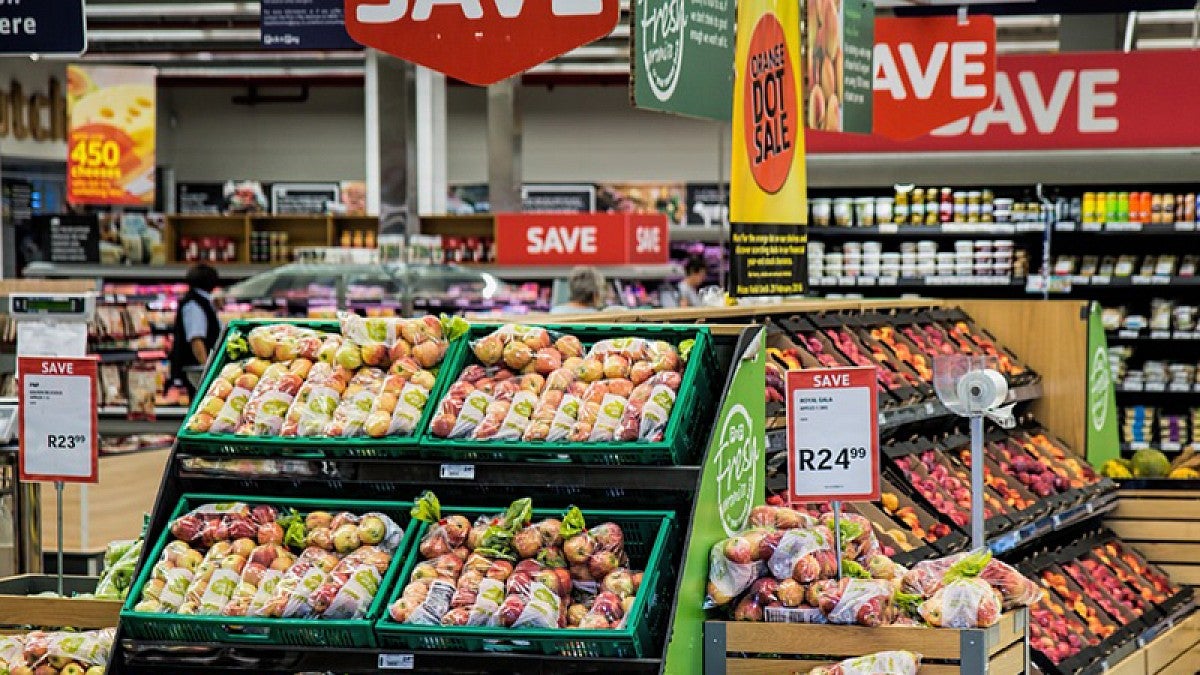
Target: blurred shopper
(197, 326)
(586, 291)
(695, 272)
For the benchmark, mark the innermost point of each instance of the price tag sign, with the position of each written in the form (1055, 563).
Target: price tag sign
(57, 413)
(833, 435)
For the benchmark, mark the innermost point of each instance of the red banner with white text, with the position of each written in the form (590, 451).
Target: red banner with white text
(1065, 102)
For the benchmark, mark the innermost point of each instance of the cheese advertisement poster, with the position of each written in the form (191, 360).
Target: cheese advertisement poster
(111, 144)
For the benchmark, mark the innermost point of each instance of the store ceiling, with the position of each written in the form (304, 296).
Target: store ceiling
(198, 40)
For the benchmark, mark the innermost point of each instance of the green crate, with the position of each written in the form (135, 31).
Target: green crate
(315, 447)
(647, 539)
(262, 630)
(686, 429)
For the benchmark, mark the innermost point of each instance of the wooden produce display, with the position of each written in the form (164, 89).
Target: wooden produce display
(1164, 525)
(1175, 652)
(20, 606)
(739, 648)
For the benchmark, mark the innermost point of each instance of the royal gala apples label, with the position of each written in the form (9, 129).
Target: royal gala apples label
(479, 41)
(771, 106)
(111, 143)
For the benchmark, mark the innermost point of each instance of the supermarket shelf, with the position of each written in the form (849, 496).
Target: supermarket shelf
(1100, 281)
(916, 282)
(945, 230)
(170, 272)
(551, 272)
(1133, 447)
(1094, 507)
(1127, 227)
(1125, 335)
(113, 421)
(1158, 388)
(201, 659)
(708, 235)
(162, 412)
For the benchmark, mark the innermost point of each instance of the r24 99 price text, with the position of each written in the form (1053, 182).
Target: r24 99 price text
(824, 459)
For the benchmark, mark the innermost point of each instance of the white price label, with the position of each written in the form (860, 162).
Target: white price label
(833, 435)
(396, 662)
(458, 472)
(58, 419)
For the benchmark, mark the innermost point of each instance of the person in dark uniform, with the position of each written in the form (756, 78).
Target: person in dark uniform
(197, 326)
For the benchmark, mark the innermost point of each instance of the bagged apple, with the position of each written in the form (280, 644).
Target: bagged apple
(262, 571)
(486, 608)
(204, 573)
(864, 602)
(879, 663)
(351, 586)
(516, 420)
(170, 578)
(513, 344)
(543, 416)
(352, 411)
(565, 418)
(541, 610)
(966, 602)
(445, 535)
(779, 518)
(435, 605)
(309, 570)
(612, 408)
(464, 423)
(229, 416)
(858, 537)
(733, 565)
(316, 401)
(804, 555)
(268, 405)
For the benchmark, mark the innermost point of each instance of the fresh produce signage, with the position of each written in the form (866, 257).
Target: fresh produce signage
(768, 191)
(581, 239)
(479, 41)
(683, 56)
(833, 435)
(111, 144)
(57, 447)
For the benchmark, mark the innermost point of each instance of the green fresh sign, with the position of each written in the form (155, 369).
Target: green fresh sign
(1103, 441)
(683, 56)
(732, 482)
(858, 48)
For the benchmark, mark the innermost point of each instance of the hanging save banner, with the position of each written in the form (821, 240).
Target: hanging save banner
(111, 142)
(768, 189)
(932, 71)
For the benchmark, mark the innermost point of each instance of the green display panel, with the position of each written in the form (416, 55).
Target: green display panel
(682, 60)
(733, 481)
(1103, 441)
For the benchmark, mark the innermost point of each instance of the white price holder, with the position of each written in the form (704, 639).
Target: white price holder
(57, 414)
(833, 435)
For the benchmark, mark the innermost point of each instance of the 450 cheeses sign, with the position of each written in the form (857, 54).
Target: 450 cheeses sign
(479, 41)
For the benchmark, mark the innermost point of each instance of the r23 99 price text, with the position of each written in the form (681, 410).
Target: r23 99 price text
(64, 441)
(824, 459)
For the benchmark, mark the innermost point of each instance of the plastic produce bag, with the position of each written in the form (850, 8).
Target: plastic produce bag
(804, 555)
(880, 663)
(229, 415)
(865, 602)
(968, 602)
(120, 564)
(474, 409)
(488, 599)
(542, 609)
(268, 406)
(732, 566)
(351, 586)
(170, 578)
(564, 418)
(513, 426)
(351, 414)
(308, 572)
(435, 605)
(261, 573)
(316, 401)
(612, 407)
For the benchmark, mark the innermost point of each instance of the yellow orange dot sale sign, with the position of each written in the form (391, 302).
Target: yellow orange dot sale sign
(768, 190)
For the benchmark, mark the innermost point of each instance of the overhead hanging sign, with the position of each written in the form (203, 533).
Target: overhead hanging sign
(833, 435)
(57, 415)
(682, 59)
(1100, 100)
(111, 143)
(581, 239)
(768, 193)
(841, 35)
(479, 41)
(932, 71)
(43, 28)
(304, 24)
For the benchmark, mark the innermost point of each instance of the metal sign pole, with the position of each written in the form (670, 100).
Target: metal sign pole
(837, 536)
(978, 538)
(58, 489)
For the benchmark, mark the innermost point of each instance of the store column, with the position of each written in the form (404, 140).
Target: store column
(504, 145)
(390, 93)
(431, 141)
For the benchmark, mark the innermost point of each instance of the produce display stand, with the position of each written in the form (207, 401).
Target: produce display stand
(739, 648)
(20, 606)
(683, 490)
(1163, 523)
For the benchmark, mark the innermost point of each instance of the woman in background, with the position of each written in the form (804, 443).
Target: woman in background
(586, 291)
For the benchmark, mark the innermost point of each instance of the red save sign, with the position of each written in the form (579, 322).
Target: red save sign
(581, 239)
(932, 71)
(833, 435)
(57, 419)
(479, 41)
